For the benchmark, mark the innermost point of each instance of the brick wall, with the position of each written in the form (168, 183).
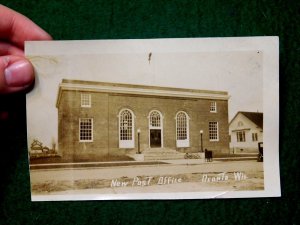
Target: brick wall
(105, 110)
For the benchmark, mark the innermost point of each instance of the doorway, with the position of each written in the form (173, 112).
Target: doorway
(155, 138)
(156, 129)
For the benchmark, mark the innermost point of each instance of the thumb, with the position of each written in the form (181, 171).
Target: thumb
(16, 74)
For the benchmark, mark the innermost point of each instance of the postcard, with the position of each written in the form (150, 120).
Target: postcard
(187, 118)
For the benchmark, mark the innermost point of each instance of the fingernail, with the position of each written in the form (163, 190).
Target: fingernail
(19, 74)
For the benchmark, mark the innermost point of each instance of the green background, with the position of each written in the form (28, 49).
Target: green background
(79, 19)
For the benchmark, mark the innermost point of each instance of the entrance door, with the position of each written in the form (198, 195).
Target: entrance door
(155, 138)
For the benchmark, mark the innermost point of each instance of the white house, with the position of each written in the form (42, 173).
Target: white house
(246, 131)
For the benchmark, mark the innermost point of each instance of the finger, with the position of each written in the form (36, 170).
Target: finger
(8, 49)
(16, 28)
(16, 74)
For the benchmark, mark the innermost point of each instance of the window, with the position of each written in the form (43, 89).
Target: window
(85, 100)
(254, 136)
(213, 131)
(213, 107)
(240, 136)
(181, 126)
(182, 130)
(155, 119)
(240, 124)
(85, 130)
(126, 125)
(126, 129)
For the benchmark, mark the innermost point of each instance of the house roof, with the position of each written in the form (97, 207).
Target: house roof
(117, 88)
(255, 117)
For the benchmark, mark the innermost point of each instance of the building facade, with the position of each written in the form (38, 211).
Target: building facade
(246, 131)
(101, 119)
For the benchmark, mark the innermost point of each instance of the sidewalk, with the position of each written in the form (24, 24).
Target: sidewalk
(133, 163)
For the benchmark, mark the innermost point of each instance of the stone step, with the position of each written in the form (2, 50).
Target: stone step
(148, 150)
(161, 154)
(149, 158)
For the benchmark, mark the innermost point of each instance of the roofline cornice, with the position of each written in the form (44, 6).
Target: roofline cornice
(139, 90)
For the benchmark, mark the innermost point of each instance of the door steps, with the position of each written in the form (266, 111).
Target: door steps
(151, 154)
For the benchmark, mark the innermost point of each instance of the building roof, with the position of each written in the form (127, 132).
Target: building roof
(255, 117)
(130, 89)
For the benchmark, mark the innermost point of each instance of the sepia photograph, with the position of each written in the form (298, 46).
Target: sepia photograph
(186, 118)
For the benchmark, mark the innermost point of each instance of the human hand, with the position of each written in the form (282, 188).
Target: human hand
(16, 72)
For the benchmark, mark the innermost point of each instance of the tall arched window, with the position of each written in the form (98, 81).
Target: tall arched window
(126, 129)
(155, 129)
(182, 130)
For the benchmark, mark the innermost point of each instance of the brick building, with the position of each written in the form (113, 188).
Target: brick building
(101, 119)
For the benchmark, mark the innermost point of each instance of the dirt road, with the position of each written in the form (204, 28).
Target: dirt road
(236, 175)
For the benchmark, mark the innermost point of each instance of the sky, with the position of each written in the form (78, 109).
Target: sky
(240, 73)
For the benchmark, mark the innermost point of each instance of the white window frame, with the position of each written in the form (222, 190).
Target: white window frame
(212, 136)
(240, 124)
(156, 127)
(86, 100)
(80, 129)
(243, 133)
(254, 137)
(183, 143)
(213, 107)
(127, 143)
